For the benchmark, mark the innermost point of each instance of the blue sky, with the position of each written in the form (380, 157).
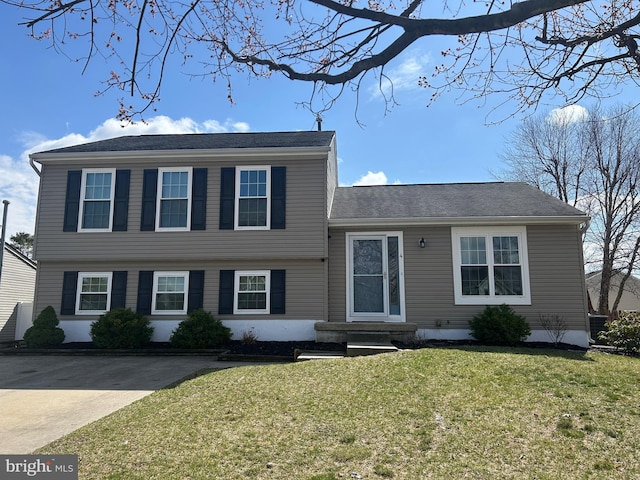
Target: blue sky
(48, 103)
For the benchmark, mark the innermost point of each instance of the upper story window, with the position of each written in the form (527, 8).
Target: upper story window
(93, 294)
(174, 199)
(96, 202)
(170, 292)
(253, 198)
(490, 266)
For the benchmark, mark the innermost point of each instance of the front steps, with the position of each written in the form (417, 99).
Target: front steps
(359, 343)
(338, 332)
(317, 355)
(360, 349)
(369, 343)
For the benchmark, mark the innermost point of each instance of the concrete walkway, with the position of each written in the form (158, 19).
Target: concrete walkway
(45, 397)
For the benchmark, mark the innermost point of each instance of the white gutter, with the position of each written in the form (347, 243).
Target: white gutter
(227, 153)
(493, 220)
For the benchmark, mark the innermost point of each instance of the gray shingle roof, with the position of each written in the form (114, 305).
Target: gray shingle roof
(455, 200)
(201, 141)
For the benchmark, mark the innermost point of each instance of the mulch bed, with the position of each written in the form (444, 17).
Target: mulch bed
(267, 349)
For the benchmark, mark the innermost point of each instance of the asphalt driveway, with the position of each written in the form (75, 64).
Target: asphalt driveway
(43, 398)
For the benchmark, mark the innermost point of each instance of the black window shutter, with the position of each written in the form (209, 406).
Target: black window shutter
(277, 298)
(145, 292)
(72, 201)
(118, 290)
(196, 290)
(149, 192)
(199, 199)
(69, 288)
(225, 297)
(227, 197)
(121, 201)
(278, 197)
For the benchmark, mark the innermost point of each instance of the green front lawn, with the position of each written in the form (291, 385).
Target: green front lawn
(480, 413)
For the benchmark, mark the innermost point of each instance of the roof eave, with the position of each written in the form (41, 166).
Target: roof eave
(230, 153)
(494, 220)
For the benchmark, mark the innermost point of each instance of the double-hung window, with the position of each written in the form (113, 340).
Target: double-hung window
(170, 292)
(96, 199)
(174, 199)
(490, 266)
(253, 198)
(252, 291)
(94, 293)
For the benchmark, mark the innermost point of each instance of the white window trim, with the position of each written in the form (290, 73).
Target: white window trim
(236, 291)
(83, 192)
(185, 305)
(488, 233)
(236, 210)
(159, 199)
(79, 292)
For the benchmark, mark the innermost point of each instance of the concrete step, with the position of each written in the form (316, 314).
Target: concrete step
(355, 349)
(317, 355)
(378, 338)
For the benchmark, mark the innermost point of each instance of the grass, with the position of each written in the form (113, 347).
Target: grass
(481, 413)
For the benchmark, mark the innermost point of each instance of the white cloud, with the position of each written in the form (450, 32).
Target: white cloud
(401, 77)
(19, 183)
(567, 115)
(371, 178)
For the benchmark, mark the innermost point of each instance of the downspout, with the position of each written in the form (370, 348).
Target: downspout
(39, 173)
(583, 232)
(35, 169)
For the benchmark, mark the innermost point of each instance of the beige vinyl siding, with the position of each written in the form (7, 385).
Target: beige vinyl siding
(555, 271)
(305, 280)
(17, 285)
(304, 236)
(557, 275)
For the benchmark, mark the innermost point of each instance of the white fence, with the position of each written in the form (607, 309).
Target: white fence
(24, 314)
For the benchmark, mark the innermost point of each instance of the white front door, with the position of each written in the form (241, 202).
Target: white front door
(375, 277)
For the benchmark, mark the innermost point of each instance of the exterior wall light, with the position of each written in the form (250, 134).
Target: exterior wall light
(422, 243)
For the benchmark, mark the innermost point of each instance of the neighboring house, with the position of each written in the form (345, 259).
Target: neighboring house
(254, 228)
(630, 300)
(17, 286)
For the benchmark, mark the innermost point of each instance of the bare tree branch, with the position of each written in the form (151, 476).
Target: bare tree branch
(521, 51)
(590, 161)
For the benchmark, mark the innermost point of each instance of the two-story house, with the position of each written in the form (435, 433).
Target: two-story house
(254, 228)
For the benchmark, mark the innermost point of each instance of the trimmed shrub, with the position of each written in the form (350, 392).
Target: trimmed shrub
(200, 330)
(499, 325)
(45, 331)
(121, 328)
(623, 332)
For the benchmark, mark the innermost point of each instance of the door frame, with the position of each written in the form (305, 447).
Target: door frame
(375, 317)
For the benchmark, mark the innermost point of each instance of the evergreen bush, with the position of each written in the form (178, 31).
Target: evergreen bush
(45, 331)
(499, 325)
(623, 332)
(121, 328)
(200, 330)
